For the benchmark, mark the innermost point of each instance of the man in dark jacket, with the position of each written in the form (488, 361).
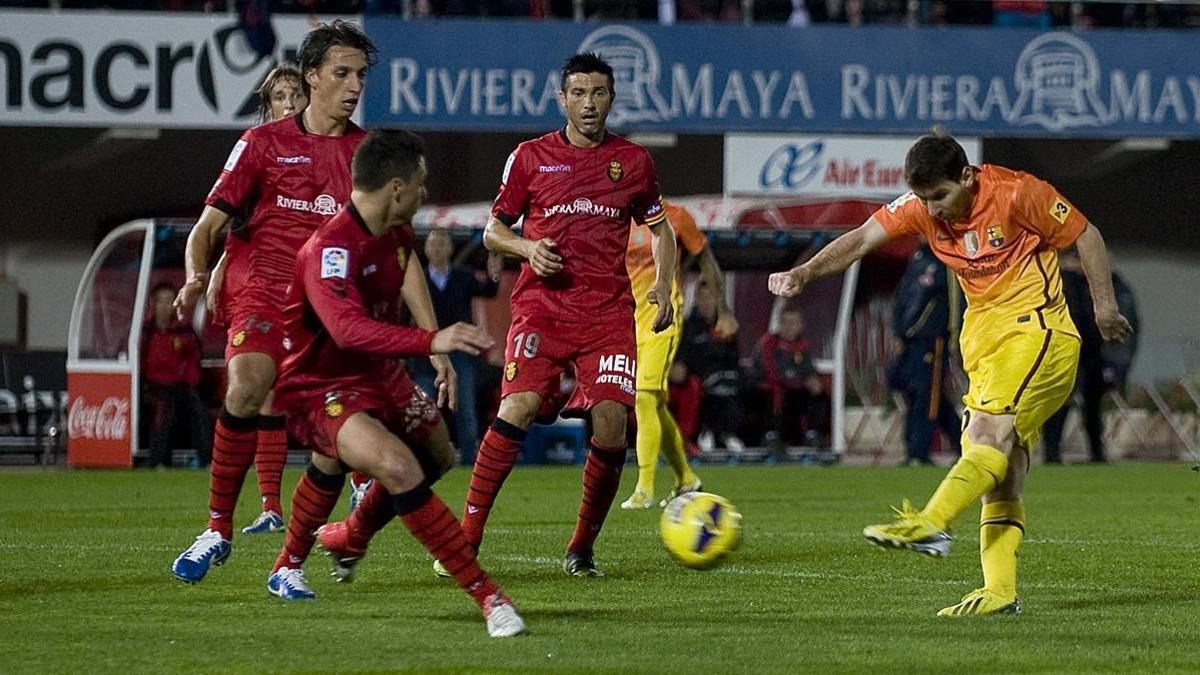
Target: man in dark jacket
(921, 318)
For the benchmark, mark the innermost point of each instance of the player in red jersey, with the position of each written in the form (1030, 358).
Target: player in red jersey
(284, 178)
(280, 95)
(576, 189)
(341, 382)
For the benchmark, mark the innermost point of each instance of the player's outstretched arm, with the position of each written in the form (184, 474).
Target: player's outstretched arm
(1094, 257)
(837, 256)
(199, 247)
(415, 293)
(541, 254)
(665, 262)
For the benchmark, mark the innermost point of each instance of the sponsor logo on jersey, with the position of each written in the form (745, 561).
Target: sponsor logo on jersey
(1059, 210)
(615, 171)
(554, 168)
(334, 262)
(234, 155)
(618, 369)
(584, 207)
(510, 371)
(323, 205)
(995, 236)
(298, 159)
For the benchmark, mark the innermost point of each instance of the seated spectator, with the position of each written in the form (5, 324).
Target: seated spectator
(783, 370)
(1021, 14)
(170, 375)
(712, 357)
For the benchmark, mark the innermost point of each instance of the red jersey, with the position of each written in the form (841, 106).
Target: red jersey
(284, 182)
(170, 357)
(341, 313)
(583, 199)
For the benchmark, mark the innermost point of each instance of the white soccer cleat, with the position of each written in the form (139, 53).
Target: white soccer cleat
(502, 617)
(289, 584)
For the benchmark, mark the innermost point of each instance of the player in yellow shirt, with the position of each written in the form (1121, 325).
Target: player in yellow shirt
(656, 428)
(999, 231)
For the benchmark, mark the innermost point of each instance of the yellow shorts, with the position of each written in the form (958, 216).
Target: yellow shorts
(655, 354)
(1029, 375)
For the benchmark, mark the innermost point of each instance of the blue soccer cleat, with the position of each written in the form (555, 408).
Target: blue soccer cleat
(266, 523)
(289, 584)
(209, 550)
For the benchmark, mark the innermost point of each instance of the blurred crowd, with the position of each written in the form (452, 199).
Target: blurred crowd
(1004, 13)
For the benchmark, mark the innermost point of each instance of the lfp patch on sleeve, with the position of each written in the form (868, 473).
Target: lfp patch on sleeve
(235, 155)
(334, 262)
(1059, 211)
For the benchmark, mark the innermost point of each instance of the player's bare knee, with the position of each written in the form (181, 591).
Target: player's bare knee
(519, 409)
(245, 398)
(608, 424)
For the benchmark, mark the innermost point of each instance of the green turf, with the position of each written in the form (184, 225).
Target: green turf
(1108, 582)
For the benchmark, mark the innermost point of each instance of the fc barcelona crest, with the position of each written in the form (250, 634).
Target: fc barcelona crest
(995, 236)
(402, 257)
(615, 171)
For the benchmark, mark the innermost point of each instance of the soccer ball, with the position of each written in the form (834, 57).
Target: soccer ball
(701, 529)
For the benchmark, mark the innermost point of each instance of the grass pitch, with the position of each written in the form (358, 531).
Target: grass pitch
(1108, 581)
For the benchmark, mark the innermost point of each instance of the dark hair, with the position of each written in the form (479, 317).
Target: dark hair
(384, 155)
(932, 159)
(587, 62)
(337, 34)
(285, 70)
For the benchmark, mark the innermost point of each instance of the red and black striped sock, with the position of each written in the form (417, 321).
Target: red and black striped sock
(375, 511)
(496, 457)
(426, 516)
(269, 459)
(315, 496)
(601, 480)
(233, 452)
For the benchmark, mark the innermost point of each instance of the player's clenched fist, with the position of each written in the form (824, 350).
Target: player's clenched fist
(462, 337)
(543, 258)
(787, 284)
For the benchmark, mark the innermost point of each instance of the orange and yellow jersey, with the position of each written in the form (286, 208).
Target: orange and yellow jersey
(1004, 253)
(639, 260)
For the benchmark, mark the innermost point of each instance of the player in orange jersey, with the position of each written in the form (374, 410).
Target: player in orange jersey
(1000, 231)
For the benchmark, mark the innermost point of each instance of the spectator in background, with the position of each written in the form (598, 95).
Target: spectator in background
(452, 288)
(784, 371)
(712, 356)
(170, 375)
(1101, 366)
(926, 306)
(1021, 14)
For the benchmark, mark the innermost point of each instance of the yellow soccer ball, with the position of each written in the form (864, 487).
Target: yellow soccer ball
(701, 529)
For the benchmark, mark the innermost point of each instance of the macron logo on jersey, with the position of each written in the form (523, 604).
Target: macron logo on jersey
(584, 207)
(334, 262)
(554, 168)
(298, 159)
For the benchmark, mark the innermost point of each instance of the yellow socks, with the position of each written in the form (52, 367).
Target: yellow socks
(658, 430)
(977, 473)
(676, 455)
(649, 439)
(1001, 528)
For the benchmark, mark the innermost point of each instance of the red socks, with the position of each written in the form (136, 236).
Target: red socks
(601, 479)
(497, 455)
(316, 495)
(269, 460)
(427, 518)
(234, 442)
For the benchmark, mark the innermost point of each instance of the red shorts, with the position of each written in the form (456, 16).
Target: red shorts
(255, 328)
(603, 354)
(399, 404)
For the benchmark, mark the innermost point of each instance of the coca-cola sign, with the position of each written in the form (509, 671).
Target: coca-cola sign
(107, 420)
(100, 419)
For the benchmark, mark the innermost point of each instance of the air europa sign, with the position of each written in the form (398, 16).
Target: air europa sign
(158, 69)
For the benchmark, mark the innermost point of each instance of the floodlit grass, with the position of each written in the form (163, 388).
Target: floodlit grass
(1108, 581)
